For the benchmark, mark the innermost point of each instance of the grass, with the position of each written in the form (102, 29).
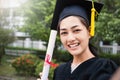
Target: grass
(8, 72)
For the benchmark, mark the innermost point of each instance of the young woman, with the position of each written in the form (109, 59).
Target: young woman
(72, 18)
(75, 36)
(74, 28)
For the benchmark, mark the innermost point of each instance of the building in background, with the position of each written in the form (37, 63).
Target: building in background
(10, 14)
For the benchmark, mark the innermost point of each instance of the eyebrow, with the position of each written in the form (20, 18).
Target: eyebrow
(74, 26)
(71, 27)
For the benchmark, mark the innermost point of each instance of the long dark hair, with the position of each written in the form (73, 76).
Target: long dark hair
(92, 48)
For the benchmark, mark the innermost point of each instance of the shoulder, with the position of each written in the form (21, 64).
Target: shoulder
(102, 69)
(101, 65)
(103, 61)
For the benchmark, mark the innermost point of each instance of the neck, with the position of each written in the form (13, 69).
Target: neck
(78, 59)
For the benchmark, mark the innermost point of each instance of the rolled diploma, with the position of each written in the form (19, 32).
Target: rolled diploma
(49, 54)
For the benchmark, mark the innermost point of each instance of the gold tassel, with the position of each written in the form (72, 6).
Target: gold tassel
(92, 26)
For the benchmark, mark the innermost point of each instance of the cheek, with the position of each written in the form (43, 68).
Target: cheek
(84, 37)
(88, 32)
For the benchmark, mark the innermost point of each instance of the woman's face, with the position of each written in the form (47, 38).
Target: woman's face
(74, 35)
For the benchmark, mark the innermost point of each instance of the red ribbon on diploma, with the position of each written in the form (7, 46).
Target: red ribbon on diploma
(47, 60)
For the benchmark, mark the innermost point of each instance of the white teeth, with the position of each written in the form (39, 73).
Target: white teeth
(73, 45)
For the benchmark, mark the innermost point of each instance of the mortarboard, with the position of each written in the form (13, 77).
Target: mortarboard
(87, 10)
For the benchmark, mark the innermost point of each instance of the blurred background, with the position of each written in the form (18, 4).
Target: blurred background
(24, 34)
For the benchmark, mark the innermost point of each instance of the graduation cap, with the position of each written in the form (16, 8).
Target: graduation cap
(84, 8)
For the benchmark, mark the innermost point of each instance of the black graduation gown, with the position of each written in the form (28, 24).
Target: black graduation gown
(92, 69)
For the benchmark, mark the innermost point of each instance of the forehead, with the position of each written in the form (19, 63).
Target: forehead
(70, 21)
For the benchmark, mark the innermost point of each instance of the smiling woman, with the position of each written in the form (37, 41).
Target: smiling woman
(74, 20)
(75, 36)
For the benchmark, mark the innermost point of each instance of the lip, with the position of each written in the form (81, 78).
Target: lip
(74, 45)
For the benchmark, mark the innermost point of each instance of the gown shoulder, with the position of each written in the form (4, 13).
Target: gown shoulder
(92, 69)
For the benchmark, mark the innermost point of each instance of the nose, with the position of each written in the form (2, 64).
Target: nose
(71, 37)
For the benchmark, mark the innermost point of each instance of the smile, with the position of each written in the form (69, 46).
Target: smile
(74, 45)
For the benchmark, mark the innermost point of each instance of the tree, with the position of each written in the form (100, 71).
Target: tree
(38, 15)
(107, 26)
(6, 37)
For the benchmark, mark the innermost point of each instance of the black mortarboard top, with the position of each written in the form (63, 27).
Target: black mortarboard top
(85, 4)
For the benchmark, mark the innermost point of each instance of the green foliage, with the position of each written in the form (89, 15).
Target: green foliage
(38, 15)
(40, 53)
(6, 36)
(107, 26)
(21, 48)
(26, 64)
(39, 68)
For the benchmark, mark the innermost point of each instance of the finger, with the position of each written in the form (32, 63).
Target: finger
(38, 79)
(40, 74)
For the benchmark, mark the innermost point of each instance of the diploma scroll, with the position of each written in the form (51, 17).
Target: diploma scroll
(49, 54)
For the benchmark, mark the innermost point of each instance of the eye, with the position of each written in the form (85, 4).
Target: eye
(76, 30)
(63, 33)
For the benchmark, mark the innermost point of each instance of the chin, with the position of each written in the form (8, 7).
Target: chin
(74, 53)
